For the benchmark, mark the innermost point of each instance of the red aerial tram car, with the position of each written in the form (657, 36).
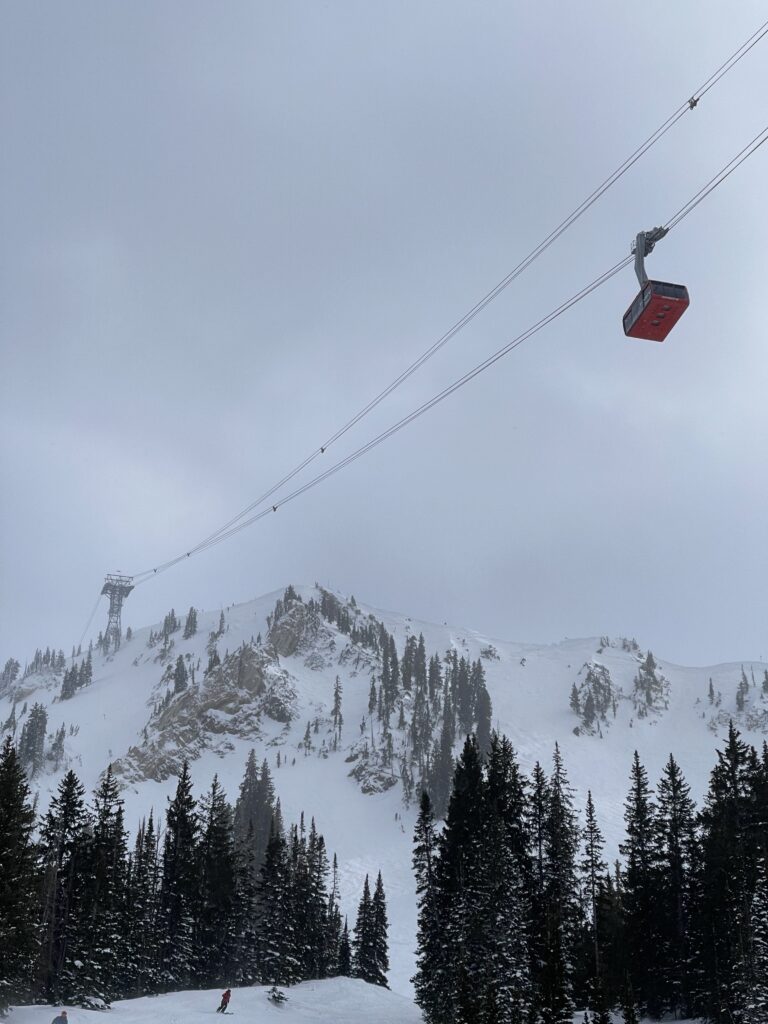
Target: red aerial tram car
(659, 304)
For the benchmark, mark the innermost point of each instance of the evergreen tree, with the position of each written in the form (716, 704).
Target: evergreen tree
(334, 927)
(364, 963)
(180, 676)
(610, 936)
(344, 965)
(379, 927)
(464, 695)
(104, 892)
(431, 966)
(729, 852)
(242, 923)
(460, 880)
(628, 1007)
(574, 702)
(537, 813)
(484, 715)
(442, 768)
(506, 986)
(338, 718)
(756, 1001)
(560, 899)
(675, 852)
(31, 751)
(641, 885)
(190, 626)
(141, 970)
(18, 881)
(180, 881)
(255, 806)
(593, 872)
(212, 938)
(277, 941)
(64, 838)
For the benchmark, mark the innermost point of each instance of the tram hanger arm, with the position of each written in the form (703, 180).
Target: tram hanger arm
(643, 246)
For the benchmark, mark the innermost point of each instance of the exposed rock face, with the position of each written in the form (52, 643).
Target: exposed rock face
(370, 773)
(230, 702)
(295, 629)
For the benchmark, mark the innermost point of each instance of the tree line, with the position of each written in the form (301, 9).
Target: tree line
(222, 894)
(521, 920)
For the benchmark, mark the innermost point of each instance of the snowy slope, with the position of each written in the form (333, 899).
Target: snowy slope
(115, 720)
(335, 1001)
(340, 1000)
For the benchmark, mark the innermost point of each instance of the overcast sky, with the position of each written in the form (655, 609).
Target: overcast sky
(225, 226)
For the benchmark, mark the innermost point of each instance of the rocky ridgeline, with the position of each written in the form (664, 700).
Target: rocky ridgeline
(231, 701)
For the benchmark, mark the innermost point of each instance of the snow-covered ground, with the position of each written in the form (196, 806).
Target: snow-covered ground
(335, 1001)
(340, 1001)
(529, 685)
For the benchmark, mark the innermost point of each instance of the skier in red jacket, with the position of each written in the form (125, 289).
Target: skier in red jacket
(225, 997)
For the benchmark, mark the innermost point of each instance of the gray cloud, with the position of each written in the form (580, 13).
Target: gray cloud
(224, 229)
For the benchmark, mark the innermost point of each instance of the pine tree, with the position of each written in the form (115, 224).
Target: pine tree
(442, 769)
(255, 806)
(431, 966)
(64, 838)
(756, 1001)
(364, 964)
(242, 923)
(610, 934)
(560, 899)
(18, 881)
(179, 889)
(338, 718)
(277, 940)
(104, 892)
(724, 881)
(141, 969)
(484, 715)
(190, 626)
(574, 702)
(675, 852)
(180, 676)
(31, 752)
(460, 881)
(344, 965)
(464, 702)
(592, 872)
(628, 1008)
(641, 884)
(212, 938)
(537, 812)
(334, 926)
(505, 987)
(379, 927)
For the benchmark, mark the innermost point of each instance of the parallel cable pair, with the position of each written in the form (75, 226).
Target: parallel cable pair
(226, 529)
(481, 367)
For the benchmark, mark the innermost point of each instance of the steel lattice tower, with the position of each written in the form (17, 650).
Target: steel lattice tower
(117, 588)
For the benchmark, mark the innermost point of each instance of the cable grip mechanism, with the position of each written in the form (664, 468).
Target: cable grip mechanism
(643, 246)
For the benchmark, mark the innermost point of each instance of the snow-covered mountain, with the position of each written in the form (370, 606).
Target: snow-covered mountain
(262, 675)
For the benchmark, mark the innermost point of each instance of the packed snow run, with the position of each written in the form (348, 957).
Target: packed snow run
(340, 1000)
(335, 1001)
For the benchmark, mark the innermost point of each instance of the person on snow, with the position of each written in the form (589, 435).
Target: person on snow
(225, 997)
(61, 1019)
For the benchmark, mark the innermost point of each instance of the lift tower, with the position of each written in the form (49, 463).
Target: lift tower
(117, 588)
